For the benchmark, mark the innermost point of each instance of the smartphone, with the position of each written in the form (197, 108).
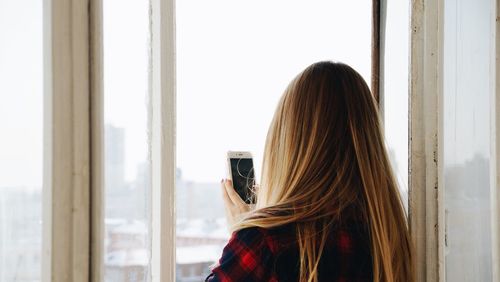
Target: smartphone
(241, 171)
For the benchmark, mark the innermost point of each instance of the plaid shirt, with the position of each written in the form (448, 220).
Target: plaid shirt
(257, 254)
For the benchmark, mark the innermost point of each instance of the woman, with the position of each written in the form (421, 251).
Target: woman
(328, 207)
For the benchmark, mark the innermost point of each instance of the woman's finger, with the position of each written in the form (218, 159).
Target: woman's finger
(225, 196)
(235, 198)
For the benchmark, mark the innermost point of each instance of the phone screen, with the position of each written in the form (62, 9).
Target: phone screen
(243, 176)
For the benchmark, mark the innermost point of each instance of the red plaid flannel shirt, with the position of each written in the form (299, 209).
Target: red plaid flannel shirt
(257, 254)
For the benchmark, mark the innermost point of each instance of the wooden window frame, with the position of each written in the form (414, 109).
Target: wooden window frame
(162, 140)
(66, 184)
(426, 205)
(97, 211)
(426, 179)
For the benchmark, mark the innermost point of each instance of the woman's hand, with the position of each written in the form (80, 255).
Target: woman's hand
(235, 206)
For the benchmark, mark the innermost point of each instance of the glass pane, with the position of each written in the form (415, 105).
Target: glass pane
(21, 141)
(395, 88)
(231, 72)
(466, 113)
(127, 164)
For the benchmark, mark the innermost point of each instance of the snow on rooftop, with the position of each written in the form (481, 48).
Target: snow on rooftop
(200, 228)
(198, 254)
(127, 257)
(133, 227)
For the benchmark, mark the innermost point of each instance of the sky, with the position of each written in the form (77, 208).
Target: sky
(232, 68)
(396, 70)
(126, 60)
(21, 93)
(234, 59)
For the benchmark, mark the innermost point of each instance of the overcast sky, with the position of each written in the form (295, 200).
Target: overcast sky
(234, 59)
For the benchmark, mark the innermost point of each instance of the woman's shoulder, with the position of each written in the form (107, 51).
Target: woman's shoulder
(244, 258)
(343, 237)
(250, 235)
(256, 238)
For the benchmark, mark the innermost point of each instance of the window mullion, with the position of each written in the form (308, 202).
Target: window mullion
(66, 142)
(97, 141)
(426, 205)
(495, 141)
(163, 139)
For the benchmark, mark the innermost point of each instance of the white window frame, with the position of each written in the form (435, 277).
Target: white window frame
(97, 198)
(66, 187)
(495, 141)
(426, 182)
(426, 205)
(162, 140)
(495, 137)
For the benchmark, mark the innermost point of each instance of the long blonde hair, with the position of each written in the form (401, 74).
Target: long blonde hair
(325, 155)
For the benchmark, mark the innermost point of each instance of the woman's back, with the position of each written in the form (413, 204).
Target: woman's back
(258, 254)
(324, 162)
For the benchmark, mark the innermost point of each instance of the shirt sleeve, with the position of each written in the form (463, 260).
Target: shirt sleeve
(245, 258)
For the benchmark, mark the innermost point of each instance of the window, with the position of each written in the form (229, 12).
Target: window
(234, 59)
(231, 72)
(467, 96)
(394, 104)
(127, 242)
(21, 150)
